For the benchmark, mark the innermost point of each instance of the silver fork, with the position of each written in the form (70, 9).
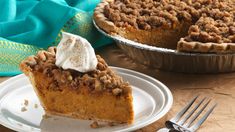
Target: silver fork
(183, 124)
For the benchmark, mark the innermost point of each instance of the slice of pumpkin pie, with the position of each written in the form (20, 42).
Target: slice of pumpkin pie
(72, 81)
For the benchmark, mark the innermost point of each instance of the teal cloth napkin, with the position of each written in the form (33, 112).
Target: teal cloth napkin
(27, 26)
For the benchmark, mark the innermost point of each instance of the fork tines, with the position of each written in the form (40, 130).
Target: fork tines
(185, 122)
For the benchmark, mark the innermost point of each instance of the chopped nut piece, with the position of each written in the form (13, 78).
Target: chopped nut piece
(41, 55)
(23, 109)
(117, 91)
(26, 102)
(46, 71)
(94, 124)
(98, 86)
(31, 61)
(46, 116)
(52, 50)
(70, 78)
(100, 66)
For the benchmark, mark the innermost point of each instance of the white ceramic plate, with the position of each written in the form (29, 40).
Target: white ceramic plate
(152, 100)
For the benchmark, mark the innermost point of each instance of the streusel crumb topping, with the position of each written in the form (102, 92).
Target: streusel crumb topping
(214, 19)
(98, 80)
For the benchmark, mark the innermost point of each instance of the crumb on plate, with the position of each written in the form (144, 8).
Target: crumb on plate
(23, 109)
(36, 106)
(94, 124)
(111, 124)
(46, 116)
(26, 102)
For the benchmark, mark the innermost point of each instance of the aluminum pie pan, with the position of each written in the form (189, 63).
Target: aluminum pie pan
(172, 60)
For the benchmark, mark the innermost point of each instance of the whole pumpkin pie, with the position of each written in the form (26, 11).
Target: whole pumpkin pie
(94, 94)
(206, 26)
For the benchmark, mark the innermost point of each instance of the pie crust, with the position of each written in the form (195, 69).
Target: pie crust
(186, 46)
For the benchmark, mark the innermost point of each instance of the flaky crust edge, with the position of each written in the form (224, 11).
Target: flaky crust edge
(80, 116)
(208, 47)
(101, 20)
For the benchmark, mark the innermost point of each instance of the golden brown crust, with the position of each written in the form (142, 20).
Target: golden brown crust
(80, 116)
(209, 47)
(101, 20)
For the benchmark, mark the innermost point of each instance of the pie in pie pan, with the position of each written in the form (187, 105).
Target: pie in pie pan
(194, 26)
(182, 36)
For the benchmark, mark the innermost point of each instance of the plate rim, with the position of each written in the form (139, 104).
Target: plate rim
(163, 88)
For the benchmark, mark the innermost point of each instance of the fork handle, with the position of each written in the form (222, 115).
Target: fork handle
(167, 130)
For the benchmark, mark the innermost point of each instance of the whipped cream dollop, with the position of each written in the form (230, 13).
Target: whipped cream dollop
(75, 52)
